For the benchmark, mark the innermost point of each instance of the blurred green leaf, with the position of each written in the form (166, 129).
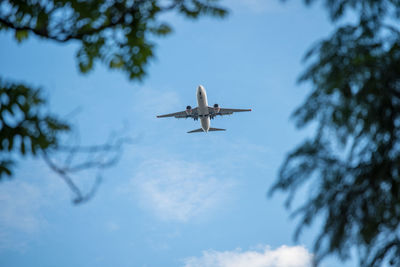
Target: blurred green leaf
(21, 35)
(41, 129)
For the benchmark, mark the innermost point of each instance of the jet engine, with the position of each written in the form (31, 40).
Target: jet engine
(188, 110)
(216, 108)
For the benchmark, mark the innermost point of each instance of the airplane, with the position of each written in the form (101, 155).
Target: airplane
(204, 112)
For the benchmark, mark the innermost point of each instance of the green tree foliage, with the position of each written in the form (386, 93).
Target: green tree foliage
(23, 128)
(352, 164)
(117, 33)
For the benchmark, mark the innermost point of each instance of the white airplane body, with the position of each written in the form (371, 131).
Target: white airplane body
(203, 111)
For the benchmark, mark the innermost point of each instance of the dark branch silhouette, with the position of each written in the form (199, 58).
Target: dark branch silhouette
(99, 157)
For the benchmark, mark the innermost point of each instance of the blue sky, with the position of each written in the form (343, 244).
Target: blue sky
(174, 199)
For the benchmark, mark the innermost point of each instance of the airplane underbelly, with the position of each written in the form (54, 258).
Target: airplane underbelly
(202, 105)
(205, 124)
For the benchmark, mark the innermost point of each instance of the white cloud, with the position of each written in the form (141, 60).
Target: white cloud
(284, 256)
(179, 190)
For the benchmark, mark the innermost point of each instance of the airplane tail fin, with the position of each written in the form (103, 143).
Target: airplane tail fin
(210, 130)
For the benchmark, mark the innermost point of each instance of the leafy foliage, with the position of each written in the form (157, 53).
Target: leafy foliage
(353, 161)
(24, 127)
(115, 32)
(371, 9)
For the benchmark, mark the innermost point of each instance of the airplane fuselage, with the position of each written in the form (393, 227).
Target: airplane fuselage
(202, 104)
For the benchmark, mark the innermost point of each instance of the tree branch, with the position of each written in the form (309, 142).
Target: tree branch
(80, 34)
(94, 162)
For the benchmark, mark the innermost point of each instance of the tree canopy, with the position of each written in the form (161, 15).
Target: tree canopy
(117, 33)
(352, 164)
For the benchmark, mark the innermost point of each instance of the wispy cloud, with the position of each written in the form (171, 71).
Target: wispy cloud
(150, 102)
(19, 206)
(284, 256)
(20, 215)
(179, 190)
(25, 201)
(112, 226)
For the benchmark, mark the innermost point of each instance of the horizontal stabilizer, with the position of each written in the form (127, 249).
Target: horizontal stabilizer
(215, 129)
(200, 130)
(196, 131)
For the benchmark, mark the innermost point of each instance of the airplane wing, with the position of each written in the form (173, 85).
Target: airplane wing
(225, 111)
(181, 114)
